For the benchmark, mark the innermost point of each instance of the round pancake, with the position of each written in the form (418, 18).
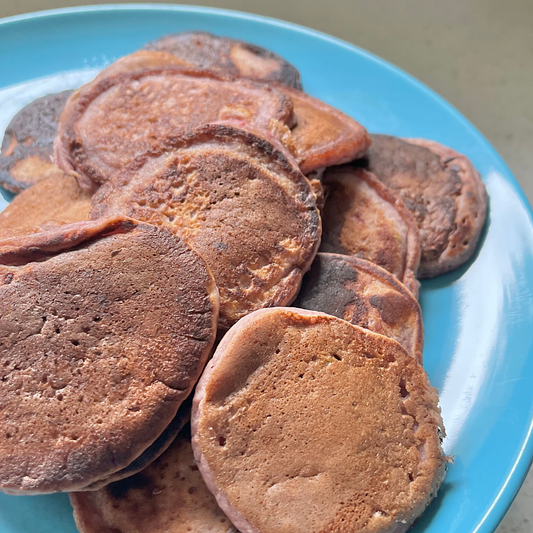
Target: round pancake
(238, 202)
(324, 136)
(107, 124)
(167, 497)
(363, 218)
(238, 58)
(304, 422)
(28, 144)
(105, 328)
(51, 202)
(443, 191)
(365, 295)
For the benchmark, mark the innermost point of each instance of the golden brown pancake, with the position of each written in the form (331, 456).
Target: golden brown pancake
(304, 422)
(50, 203)
(365, 295)
(107, 124)
(363, 218)
(28, 145)
(443, 191)
(238, 202)
(151, 453)
(105, 328)
(167, 497)
(324, 136)
(237, 58)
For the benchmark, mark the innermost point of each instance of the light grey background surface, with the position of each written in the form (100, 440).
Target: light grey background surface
(478, 54)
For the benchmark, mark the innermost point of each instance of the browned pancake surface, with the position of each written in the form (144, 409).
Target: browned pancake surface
(324, 136)
(442, 190)
(108, 124)
(52, 202)
(159, 446)
(365, 295)
(247, 211)
(27, 147)
(238, 58)
(167, 497)
(105, 328)
(304, 422)
(361, 217)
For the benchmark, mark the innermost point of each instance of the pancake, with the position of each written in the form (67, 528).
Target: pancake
(154, 451)
(364, 219)
(27, 147)
(105, 328)
(365, 295)
(304, 422)
(237, 201)
(50, 203)
(167, 497)
(107, 124)
(238, 58)
(443, 191)
(324, 136)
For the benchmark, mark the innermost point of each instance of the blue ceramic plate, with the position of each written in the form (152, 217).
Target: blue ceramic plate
(478, 320)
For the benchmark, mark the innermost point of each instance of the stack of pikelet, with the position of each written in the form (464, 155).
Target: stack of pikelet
(192, 186)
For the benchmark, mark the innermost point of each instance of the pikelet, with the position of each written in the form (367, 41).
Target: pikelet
(50, 203)
(105, 328)
(443, 191)
(237, 201)
(126, 111)
(365, 295)
(363, 218)
(324, 136)
(28, 144)
(167, 497)
(238, 58)
(304, 422)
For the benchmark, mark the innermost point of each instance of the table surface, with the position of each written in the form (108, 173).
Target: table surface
(478, 54)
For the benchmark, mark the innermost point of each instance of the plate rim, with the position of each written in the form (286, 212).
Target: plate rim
(519, 470)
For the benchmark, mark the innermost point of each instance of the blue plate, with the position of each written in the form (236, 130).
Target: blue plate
(478, 320)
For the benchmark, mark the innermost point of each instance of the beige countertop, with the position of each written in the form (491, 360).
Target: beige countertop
(478, 54)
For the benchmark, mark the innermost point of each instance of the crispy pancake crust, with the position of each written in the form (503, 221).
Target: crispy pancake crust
(324, 136)
(109, 123)
(304, 422)
(105, 328)
(167, 497)
(363, 218)
(52, 202)
(443, 191)
(239, 203)
(27, 148)
(237, 58)
(365, 295)
(471, 211)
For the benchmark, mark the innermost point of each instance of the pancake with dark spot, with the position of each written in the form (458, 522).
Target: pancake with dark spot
(324, 136)
(154, 451)
(443, 191)
(239, 203)
(304, 422)
(363, 218)
(105, 125)
(105, 328)
(52, 202)
(238, 58)
(365, 295)
(28, 145)
(167, 497)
